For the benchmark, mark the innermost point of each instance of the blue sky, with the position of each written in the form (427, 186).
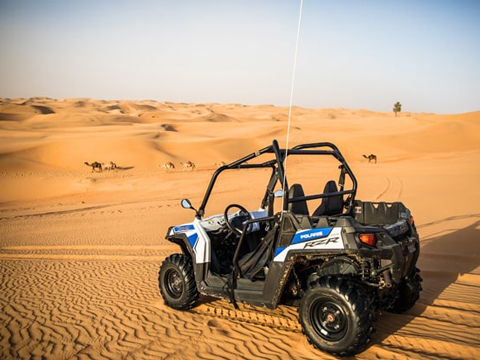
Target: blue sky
(352, 54)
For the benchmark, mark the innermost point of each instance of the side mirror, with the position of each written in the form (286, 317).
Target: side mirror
(186, 204)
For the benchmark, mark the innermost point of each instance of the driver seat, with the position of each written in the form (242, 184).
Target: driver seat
(330, 205)
(297, 207)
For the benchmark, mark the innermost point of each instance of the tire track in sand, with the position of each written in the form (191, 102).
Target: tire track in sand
(283, 317)
(393, 190)
(85, 252)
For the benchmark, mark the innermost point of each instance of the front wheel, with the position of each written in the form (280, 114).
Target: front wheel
(335, 316)
(176, 280)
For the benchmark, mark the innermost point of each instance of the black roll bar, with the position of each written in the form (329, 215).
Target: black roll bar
(278, 171)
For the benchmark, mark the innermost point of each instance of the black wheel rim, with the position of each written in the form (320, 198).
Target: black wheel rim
(329, 320)
(174, 284)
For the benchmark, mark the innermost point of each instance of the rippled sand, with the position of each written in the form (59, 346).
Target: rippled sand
(80, 250)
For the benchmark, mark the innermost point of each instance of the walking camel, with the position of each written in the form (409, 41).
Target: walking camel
(188, 165)
(99, 167)
(111, 166)
(96, 166)
(222, 163)
(371, 158)
(167, 166)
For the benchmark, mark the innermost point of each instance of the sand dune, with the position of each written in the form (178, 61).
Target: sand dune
(80, 250)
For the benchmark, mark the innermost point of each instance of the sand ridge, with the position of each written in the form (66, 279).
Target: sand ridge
(80, 250)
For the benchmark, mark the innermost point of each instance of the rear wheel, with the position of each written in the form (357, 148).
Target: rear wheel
(176, 280)
(408, 293)
(335, 316)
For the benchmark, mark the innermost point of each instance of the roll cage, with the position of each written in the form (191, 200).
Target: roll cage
(278, 176)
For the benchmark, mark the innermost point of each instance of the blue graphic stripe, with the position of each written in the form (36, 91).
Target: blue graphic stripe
(192, 239)
(279, 250)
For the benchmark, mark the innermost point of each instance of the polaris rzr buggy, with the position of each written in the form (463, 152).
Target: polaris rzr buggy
(339, 264)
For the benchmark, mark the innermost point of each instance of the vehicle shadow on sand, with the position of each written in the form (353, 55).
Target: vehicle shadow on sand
(443, 259)
(124, 168)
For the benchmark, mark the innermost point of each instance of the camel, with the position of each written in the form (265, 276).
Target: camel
(168, 165)
(111, 166)
(371, 158)
(96, 166)
(187, 165)
(222, 163)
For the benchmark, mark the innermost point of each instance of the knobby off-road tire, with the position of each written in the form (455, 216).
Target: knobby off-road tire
(176, 280)
(408, 293)
(335, 316)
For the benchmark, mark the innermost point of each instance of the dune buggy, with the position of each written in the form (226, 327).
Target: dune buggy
(312, 245)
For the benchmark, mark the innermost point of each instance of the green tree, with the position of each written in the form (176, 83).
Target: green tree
(397, 107)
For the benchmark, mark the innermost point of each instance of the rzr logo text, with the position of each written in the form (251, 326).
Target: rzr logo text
(323, 242)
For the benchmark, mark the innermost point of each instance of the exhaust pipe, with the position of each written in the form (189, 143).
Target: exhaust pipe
(387, 278)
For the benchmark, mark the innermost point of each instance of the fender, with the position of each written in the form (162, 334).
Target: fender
(181, 240)
(193, 238)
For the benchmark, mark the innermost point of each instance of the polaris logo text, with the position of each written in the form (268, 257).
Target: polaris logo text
(183, 228)
(311, 235)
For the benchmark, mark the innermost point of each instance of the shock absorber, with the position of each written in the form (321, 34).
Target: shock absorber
(364, 269)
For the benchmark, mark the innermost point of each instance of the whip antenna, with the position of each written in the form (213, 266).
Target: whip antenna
(291, 96)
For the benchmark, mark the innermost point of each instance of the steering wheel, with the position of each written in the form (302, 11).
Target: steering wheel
(236, 224)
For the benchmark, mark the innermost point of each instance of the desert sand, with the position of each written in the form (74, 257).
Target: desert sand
(80, 250)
